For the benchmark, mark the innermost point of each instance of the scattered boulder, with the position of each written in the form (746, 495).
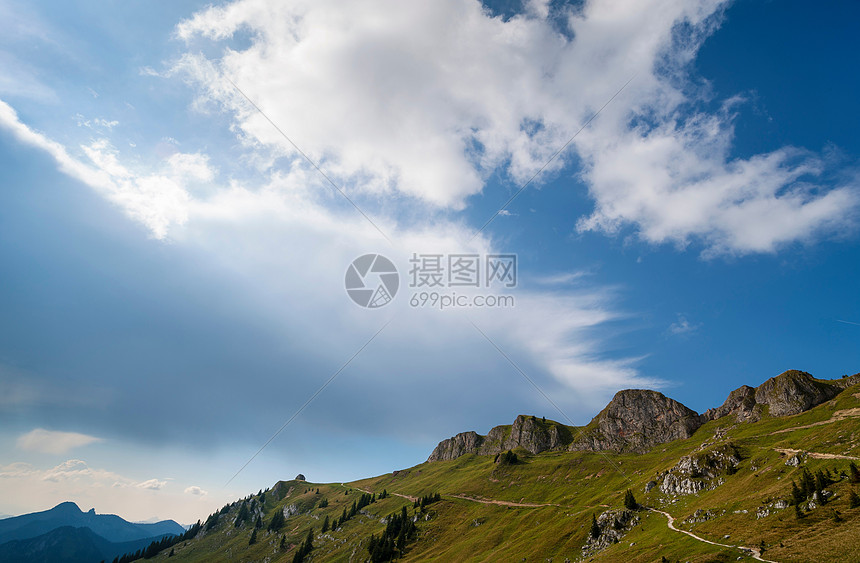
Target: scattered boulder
(700, 516)
(614, 525)
(796, 459)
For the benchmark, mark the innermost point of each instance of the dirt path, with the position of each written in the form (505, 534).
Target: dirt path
(505, 502)
(815, 455)
(754, 552)
(407, 497)
(835, 417)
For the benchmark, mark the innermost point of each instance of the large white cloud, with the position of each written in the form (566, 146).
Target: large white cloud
(426, 99)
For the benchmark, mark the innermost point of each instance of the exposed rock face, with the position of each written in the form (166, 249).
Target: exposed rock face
(793, 392)
(614, 525)
(788, 393)
(637, 420)
(694, 473)
(740, 402)
(527, 432)
(452, 448)
(533, 435)
(674, 485)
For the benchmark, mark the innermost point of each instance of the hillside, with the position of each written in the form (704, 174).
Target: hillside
(737, 483)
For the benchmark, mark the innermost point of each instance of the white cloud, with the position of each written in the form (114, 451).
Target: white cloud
(152, 485)
(158, 199)
(428, 99)
(195, 491)
(53, 442)
(25, 487)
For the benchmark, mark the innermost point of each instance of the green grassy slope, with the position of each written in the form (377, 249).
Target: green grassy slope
(541, 508)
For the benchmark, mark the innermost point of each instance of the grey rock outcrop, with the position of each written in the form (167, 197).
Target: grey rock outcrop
(452, 448)
(527, 432)
(791, 392)
(636, 420)
(613, 525)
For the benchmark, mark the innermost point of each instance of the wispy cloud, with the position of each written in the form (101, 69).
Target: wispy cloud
(53, 442)
(683, 326)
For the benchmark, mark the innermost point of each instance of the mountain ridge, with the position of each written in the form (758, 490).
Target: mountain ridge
(108, 526)
(636, 420)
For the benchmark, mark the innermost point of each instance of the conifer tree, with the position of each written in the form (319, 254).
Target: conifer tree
(324, 526)
(853, 500)
(853, 473)
(630, 501)
(253, 539)
(277, 521)
(595, 528)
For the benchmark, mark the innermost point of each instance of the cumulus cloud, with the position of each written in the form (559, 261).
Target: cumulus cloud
(195, 491)
(427, 100)
(53, 442)
(151, 484)
(25, 486)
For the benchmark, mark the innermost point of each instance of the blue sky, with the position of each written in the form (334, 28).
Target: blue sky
(172, 268)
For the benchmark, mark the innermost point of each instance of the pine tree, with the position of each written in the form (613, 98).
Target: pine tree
(324, 526)
(253, 539)
(798, 512)
(630, 501)
(853, 473)
(797, 495)
(243, 514)
(309, 541)
(277, 521)
(283, 545)
(853, 500)
(259, 523)
(595, 529)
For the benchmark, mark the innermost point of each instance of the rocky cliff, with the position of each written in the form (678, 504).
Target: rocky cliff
(788, 393)
(636, 420)
(528, 432)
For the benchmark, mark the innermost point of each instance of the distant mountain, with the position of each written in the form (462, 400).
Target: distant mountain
(69, 545)
(109, 526)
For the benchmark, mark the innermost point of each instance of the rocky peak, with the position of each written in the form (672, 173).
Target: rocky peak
(637, 420)
(741, 402)
(788, 393)
(452, 448)
(533, 434)
(793, 392)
